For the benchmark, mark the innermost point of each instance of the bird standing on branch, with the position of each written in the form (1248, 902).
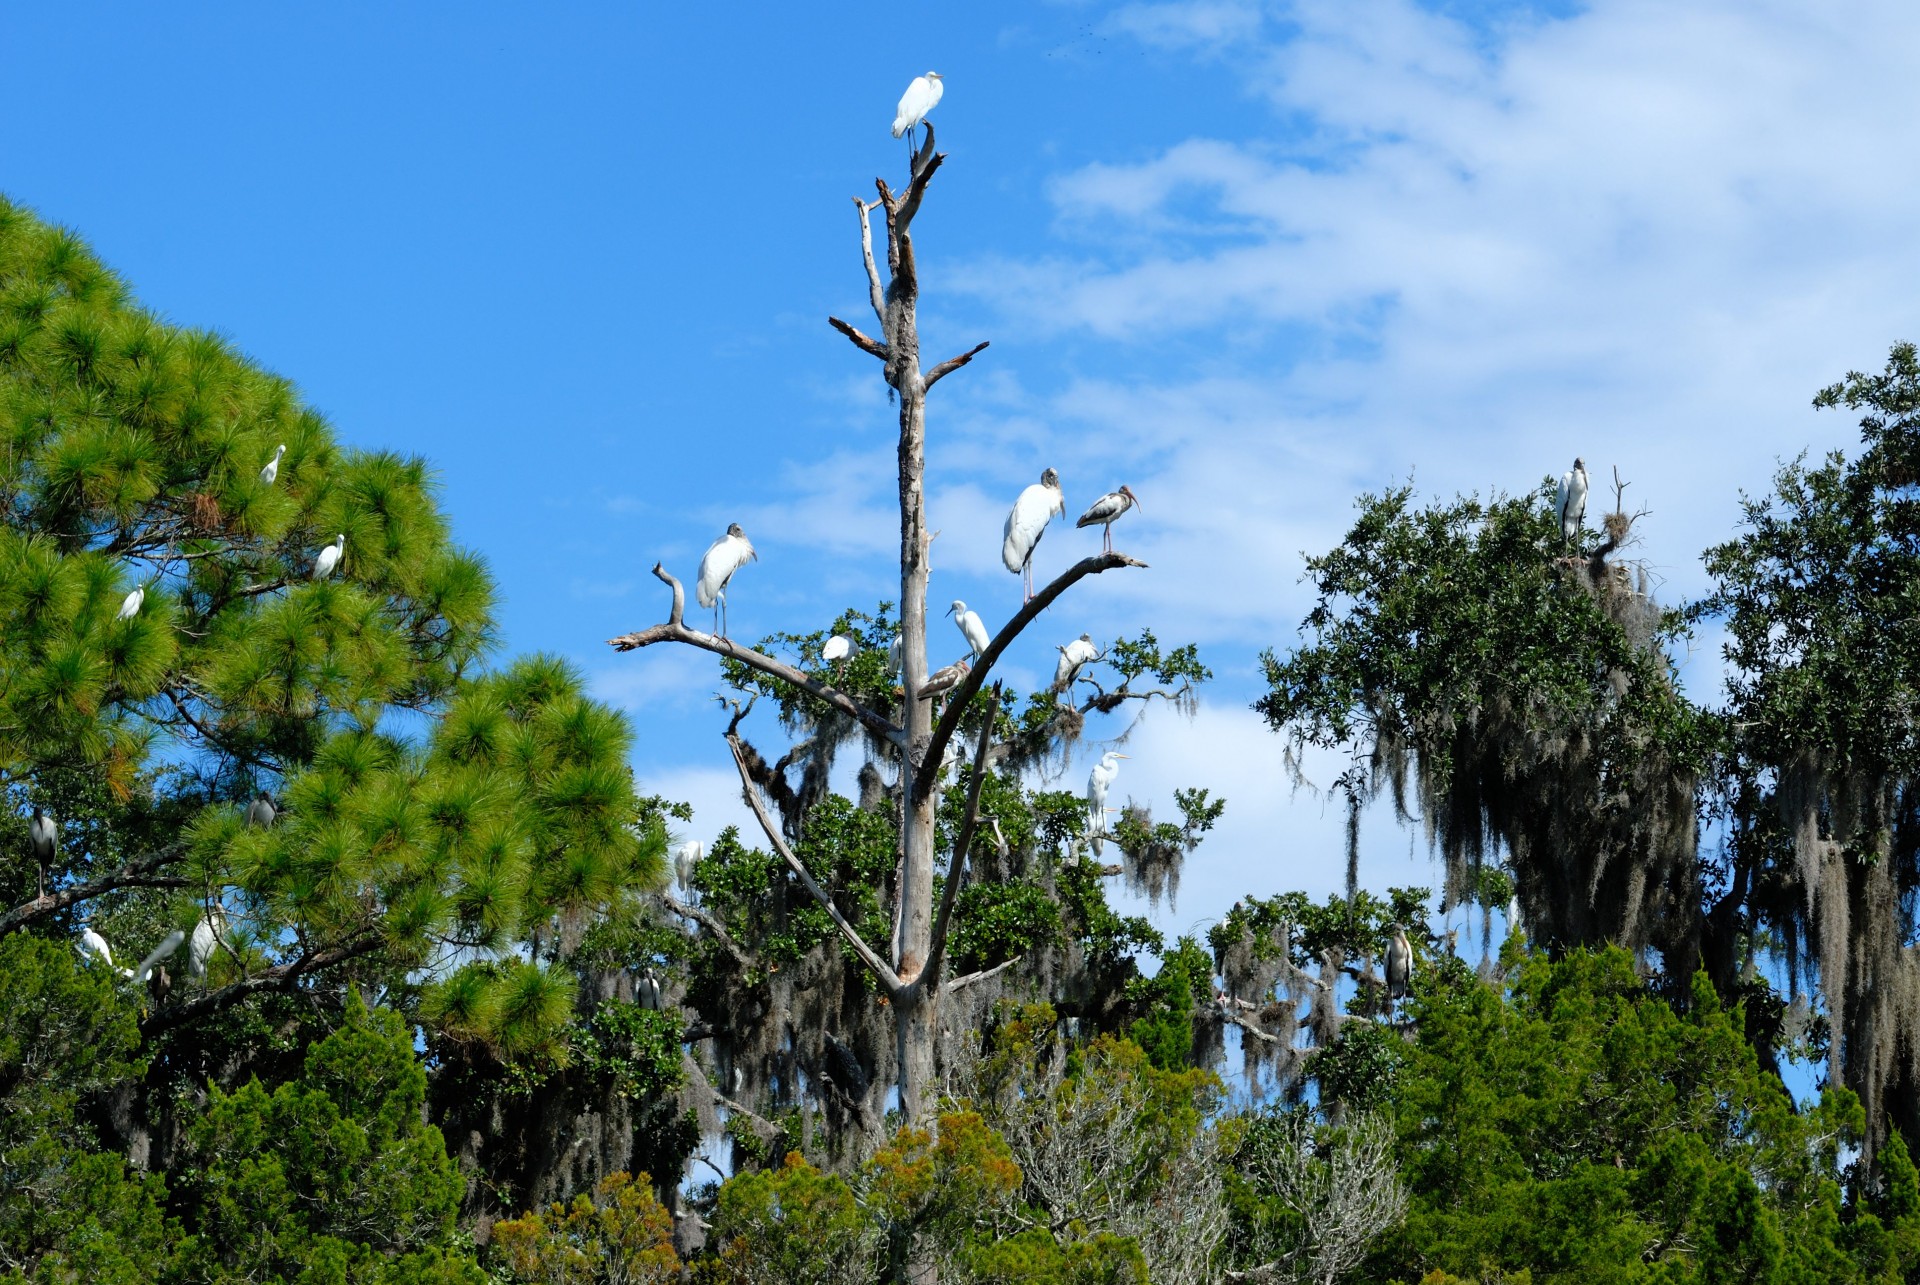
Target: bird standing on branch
(723, 557)
(329, 559)
(1399, 963)
(944, 680)
(94, 946)
(1098, 782)
(260, 812)
(206, 935)
(1027, 523)
(921, 97)
(272, 470)
(43, 837)
(130, 605)
(1572, 500)
(971, 627)
(1080, 651)
(1105, 511)
(837, 649)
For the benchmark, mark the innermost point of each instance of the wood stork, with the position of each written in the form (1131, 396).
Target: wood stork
(685, 857)
(272, 470)
(94, 946)
(1105, 511)
(837, 649)
(1572, 500)
(43, 837)
(1027, 523)
(1080, 651)
(329, 560)
(168, 944)
(723, 557)
(944, 680)
(206, 935)
(1099, 781)
(971, 627)
(647, 990)
(1399, 963)
(261, 812)
(922, 96)
(130, 605)
(896, 654)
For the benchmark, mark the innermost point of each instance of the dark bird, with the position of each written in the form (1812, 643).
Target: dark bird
(1105, 511)
(159, 984)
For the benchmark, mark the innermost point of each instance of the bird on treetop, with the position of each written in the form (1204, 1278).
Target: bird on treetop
(1571, 503)
(921, 97)
(723, 557)
(1027, 523)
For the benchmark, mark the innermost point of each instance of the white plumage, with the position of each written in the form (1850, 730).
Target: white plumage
(1399, 963)
(1099, 781)
(723, 557)
(684, 858)
(647, 990)
(168, 944)
(206, 935)
(43, 836)
(261, 812)
(838, 648)
(94, 946)
(1080, 651)
(921, 97)
(896, 655)
(130, 605)
(1027, 523)
(329, 559)
(1572, 500)
(972, 628)
(272, 470)
(1105, 511)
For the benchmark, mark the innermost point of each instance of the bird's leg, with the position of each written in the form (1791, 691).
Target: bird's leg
(1108, 547)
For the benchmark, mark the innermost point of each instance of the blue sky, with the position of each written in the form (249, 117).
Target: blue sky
(1251, 259)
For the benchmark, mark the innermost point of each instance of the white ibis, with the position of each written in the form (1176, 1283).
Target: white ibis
(168, 944)
(971, 627)
(1399, 963)
(94, 946)
(329, 560)
(944, 680)
(1027, 523)
(1080, 651)
(272, 470)
(1105, 511)
(685, 857)
(43, 836)
(723, 557)
(1099, 781)
(130, 605)
(921, 97)
(261, 812)
(837, 649)
(1572, 500)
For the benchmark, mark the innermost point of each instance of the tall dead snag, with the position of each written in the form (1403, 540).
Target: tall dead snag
(909, 971)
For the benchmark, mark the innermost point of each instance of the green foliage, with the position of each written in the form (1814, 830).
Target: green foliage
(788, 1226)
(637, 1049)
(1001, 921)
(1185, 981)
(620, 1235)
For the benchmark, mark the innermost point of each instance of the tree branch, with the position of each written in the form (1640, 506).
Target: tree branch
(860, 341)
(957, 868)
(961, 983)
(675, 631)
(876, 293)
(280, 976)
(711, 924)
(139, 873)
(874, 963)
(970, 685)
(952, 364)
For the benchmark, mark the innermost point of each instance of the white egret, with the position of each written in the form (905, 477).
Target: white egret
(971, 627)
(1572, 500)
(944, 680)
(1105, 511)
(43, 836)
(921, 97)
(1080, 651)
(206, 935)
(130, 606)
(168, 944)
(1399, 963)
(723, 557)
(837, 648)
(1099, 781)
(684, 858)
(261, 812)
(329, 559)
(272, 470)
(1027, 523)
(94, 946)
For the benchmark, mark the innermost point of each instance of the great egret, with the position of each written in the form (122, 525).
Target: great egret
(944, 680)
(1572, 500)
(723, 557)
(1080, 651)
(647, 990)
(1399, 963)
(206, 935)
(971, 627)
(168, 944)
(1027, 523)
(94, 946)
(837, 648)
(261, 812)
(329, 559)
(921, 97)
(43, 836)
(1105, 511)
(272, 470)
(684, 858)
(130, 606)
(1099, 780)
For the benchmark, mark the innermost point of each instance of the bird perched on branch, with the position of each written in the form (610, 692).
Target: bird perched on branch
(723, 557)
(1098, 782)
(684, 859)
(130, 605)
(1027, 523)
(1572, 500)
(94, 946)
(971, 627)
(43, 837)
(921, 97)
(1105, 511)
(261, 812)
(272, 470)
(206, 934)
(1080, 651)
(837, 648)
(1399, 963)
(329, 559)
(647, 991)
(944, 680)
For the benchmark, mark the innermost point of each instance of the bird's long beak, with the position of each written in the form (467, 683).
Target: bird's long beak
(947, 612)
(1122, 756)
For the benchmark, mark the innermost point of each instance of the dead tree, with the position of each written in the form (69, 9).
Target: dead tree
(908, 970)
